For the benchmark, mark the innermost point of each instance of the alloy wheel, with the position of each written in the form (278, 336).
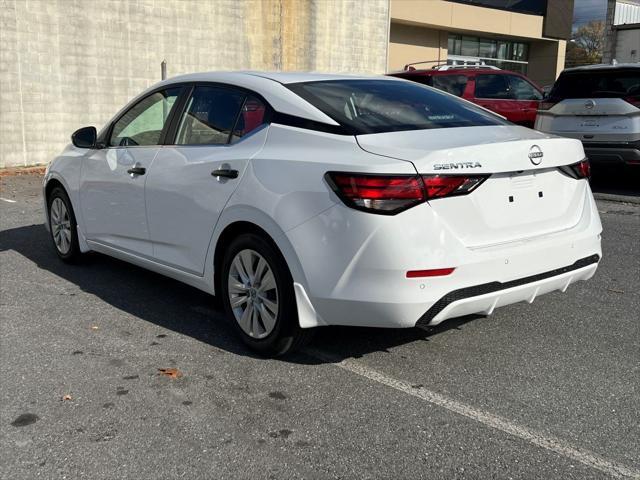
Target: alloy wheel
(253, 293)
(60, 225)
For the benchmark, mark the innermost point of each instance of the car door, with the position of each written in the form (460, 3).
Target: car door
(113, 178)
(526, 96)
(492, 91)
(192, 179)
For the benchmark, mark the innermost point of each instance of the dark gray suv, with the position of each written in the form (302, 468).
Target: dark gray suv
(599, 105)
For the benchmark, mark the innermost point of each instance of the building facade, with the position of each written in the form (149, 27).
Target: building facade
(622, 42)
(71, 63)
(528, 36)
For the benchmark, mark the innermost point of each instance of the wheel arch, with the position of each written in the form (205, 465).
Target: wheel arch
(270, 233)
(51, 181)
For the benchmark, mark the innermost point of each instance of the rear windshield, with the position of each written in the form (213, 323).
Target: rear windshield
(615, 83)
(375, 106)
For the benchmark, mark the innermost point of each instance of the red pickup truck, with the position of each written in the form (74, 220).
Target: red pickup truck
(510, 94)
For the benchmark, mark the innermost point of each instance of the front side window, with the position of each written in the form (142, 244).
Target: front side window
(492, 86)
(375, 106)
(523, 90)
(210, 116)
(143, 123)
(454, 84)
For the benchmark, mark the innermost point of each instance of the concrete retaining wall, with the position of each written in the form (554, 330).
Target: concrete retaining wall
(69, 63)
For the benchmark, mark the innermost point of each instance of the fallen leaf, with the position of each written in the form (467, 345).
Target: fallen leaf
(170, 372)
(66, 397)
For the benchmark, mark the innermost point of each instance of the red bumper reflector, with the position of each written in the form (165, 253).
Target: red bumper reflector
(435, 272)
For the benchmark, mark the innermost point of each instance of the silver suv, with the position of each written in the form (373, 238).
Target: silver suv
(600, 105)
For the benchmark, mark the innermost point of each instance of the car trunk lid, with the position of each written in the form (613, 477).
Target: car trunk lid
(594, 119)
(525, 194)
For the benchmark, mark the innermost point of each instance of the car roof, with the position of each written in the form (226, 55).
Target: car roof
(602, 66)
(270, 85)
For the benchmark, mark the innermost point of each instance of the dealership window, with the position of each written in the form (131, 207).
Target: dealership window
(505, 54)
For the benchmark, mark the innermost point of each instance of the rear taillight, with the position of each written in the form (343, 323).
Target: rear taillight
(387, 194)
(546, 104)
(391, 194)
(581, 169)
(438, 186)
(635, 100)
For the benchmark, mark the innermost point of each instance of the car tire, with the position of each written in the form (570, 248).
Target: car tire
(266, 318)
(63, 227)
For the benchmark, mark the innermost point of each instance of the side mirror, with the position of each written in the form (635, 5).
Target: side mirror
(85, 137)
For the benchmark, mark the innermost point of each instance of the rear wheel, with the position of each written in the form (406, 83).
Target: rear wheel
(63, 226)
(258, 296)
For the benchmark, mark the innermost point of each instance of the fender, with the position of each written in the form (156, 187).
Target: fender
(245, 213)
(67, 169)
(307, 315)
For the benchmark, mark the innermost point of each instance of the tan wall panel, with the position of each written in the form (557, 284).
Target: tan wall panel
(546, 61)
(449, 15)
(429, 12)
(409, 44)
(526, 25)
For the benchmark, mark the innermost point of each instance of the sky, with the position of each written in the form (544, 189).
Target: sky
(586, 10)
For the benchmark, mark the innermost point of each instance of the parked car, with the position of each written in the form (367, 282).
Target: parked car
(509, 94)
(599, 105)
(304, 200)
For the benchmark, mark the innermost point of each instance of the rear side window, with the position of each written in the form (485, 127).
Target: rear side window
(375, 106)
(492, 86)
(423, 79)
(209, 117)
(614, 83)
(252, 115)
(454, 84)
(143, 123)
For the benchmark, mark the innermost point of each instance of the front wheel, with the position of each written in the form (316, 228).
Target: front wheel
(63, 226)
(258, 296)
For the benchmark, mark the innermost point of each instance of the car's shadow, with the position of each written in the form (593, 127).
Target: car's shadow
(186, 310)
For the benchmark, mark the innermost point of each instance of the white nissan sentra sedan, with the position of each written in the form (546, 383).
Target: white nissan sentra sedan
(304, 200)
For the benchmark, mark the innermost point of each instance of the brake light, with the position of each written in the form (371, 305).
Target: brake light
(391, 194)
(578, 170)
(546, 104)
(387, 194)
(439, 186)
(635, 100)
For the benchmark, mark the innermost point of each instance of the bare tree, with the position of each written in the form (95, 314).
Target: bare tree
(586, 44)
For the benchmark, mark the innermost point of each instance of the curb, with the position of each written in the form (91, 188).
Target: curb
(610, 197)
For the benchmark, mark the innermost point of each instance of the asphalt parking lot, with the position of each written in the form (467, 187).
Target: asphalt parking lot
(548, 390)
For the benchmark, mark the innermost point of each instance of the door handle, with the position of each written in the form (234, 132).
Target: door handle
(137, 171)
(225, 172)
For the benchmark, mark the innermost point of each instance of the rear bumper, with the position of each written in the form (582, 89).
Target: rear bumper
(613, 153)
(355, 267)
(485, 298)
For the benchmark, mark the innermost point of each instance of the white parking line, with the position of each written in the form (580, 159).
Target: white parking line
(7, 200)
(556, 445)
